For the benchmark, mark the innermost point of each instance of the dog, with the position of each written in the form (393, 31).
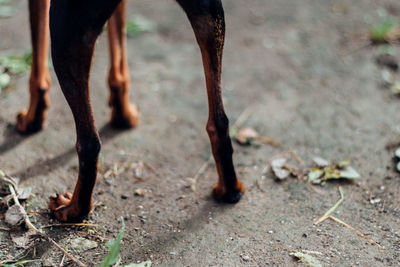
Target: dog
(74, 28)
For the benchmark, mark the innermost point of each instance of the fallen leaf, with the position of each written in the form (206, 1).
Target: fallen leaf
(278, 168)
(344, 163)
(307, 259)
(246, 136)
(6, 11)
(331, 173)
(17, 64)
(397, 152)
(349, 173)
(142, 264)
(395, 88)
(321, 162)
(314, 175)
(4, 80)
(15, 215)
(23, 239)
(387, 61)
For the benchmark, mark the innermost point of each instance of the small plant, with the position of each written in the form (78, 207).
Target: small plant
(17, 64)
(138, 25)
(384, 30)
(113, 246)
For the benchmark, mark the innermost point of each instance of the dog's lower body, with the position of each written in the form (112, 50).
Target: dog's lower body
(74, 28)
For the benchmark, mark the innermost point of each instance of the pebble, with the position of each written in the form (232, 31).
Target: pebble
(245, 257)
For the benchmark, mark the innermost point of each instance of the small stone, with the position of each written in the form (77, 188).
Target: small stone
(140, 192)
(245, 257)
(108, 181)
(80, 244)
(123, 196)
(375, 200)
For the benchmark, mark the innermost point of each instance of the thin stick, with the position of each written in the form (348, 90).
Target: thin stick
(69, 224)
(267, 140)
(354, 230)
(313, 188)
(62, 260)
(326, 215)
(32, 227)
(364, 44)
(200, 172)
(242, 118)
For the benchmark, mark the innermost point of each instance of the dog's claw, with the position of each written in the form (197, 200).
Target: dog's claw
(26, 126)
(128, 119)
(61, 207)
(232, 196)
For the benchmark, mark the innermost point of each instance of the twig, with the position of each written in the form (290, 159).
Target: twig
(354, 230)
(4, 229)
(242, 118)
(18, 257)
(69, 224)
(267, 140)
(200, 172)
(313, 188)
(62, 260)
(32, 227)
(291, 153)
(102, 239)
(328, 213)
(363, 45)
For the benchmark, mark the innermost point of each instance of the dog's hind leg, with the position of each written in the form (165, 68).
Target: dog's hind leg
(123, 115)
(74, 28)
(33, 119)
(207, 20)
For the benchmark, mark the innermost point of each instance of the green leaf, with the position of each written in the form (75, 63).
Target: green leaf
(138, 25)
(344, 163)
(331, 174)
(307, 259)
(6, 11)
(17, 64)
(4, 80)
(315, 174)
(113, 247)
(397, 152)
(142, 264)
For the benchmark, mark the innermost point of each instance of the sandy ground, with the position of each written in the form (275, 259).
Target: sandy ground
(287, 60)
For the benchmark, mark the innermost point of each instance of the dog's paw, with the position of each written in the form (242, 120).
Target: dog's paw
(128, 118)
(220, 193)
(63, 210)
(26, 125)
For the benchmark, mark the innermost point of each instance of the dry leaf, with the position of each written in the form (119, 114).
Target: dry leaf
(15, 215)
(246, 136)
(278, 168)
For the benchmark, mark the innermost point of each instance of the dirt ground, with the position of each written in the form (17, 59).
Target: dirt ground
(294, 64)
